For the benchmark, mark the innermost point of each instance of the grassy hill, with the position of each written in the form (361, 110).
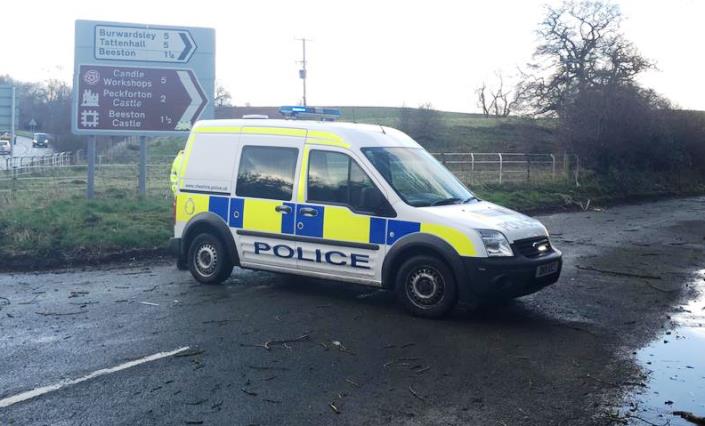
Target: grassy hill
(454, 132)
(458, 131)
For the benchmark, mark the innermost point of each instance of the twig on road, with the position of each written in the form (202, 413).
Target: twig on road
(618, 273)
(663, 290)
(58, 314)
(353, 382)
(189, 353)
(613, 384)
(334, 408)
(413, 392)
(268, 344)
(690, 417)
(248, 392)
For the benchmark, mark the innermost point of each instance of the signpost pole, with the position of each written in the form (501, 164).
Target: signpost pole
(13, 141)
(90, 156)
(143, 166)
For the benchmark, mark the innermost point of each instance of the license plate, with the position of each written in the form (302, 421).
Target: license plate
(546, 269)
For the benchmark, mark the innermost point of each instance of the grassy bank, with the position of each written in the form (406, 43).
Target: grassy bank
(73, 230)
(76, 230)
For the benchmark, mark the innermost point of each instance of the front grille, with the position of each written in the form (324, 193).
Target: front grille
(529, 247)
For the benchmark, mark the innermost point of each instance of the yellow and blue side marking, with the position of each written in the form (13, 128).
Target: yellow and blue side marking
(329, 222)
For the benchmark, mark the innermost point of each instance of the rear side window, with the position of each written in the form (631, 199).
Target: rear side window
(266, 172)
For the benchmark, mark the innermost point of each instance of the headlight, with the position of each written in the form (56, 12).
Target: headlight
(496, 243)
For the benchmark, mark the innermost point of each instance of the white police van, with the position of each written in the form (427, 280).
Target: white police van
(349, 202)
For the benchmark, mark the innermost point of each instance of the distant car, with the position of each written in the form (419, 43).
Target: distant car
(40, 140)
(5, 135)
(5, 148)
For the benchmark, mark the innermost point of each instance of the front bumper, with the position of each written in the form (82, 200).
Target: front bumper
(498, 278)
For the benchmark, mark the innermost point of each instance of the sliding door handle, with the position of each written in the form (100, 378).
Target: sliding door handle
(308, 212)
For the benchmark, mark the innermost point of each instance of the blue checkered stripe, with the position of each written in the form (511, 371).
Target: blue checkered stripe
(382, 231)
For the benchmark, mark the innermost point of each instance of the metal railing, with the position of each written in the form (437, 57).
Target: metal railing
(502, 167)
(23, 163)
(65, 173)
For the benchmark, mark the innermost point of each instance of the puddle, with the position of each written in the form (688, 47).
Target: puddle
(675, 363)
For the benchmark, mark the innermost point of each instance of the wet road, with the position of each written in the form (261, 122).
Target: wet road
(24, 148)
(271, 349)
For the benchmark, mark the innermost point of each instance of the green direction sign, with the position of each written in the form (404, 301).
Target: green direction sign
(141, 80)
(6, 109)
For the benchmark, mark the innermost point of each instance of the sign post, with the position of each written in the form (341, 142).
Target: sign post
(8, 121)
(143, 166)
(90, 157)
(141, 80)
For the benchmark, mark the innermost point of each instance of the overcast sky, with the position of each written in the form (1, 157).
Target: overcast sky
(363, 52)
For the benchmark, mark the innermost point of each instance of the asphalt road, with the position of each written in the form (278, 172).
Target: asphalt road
(348, 355)
(24, 148)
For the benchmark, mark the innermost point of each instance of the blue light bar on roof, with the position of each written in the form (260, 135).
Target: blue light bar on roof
(311, 113)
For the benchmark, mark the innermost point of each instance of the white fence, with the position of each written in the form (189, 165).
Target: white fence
(25, 163)
(500, 167)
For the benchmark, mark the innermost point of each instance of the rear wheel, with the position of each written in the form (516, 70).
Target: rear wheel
(426, 287)
(208, 260)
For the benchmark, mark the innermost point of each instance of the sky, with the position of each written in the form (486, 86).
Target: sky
(380, 52)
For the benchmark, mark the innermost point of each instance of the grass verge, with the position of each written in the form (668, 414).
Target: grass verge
(73, 230)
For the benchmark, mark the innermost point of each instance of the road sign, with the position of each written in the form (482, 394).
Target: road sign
(140, 43)
(6, 103)
(143, 80)
(138, 99)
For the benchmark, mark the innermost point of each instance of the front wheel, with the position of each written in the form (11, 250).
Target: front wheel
(208, 260)
(426, 287)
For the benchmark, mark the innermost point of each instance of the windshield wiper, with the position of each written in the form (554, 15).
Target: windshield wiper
(471, 198)
(445, 201)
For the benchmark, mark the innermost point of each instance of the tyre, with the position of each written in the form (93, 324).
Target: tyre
(208, 259)
(426, 287)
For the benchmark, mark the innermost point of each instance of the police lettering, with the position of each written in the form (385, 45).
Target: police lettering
(333, 257)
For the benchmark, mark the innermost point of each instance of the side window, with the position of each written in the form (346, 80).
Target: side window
(266, 172)
(334, 178)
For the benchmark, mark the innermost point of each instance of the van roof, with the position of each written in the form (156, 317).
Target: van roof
(353, 134)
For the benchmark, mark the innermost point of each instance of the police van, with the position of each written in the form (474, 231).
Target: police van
(355, 203)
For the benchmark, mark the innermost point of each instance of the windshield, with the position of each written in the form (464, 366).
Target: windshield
(418, 178)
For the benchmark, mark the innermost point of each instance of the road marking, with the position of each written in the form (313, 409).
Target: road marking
(6, 402)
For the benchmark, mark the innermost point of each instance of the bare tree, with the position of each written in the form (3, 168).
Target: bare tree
(222, 96)
(500, 101)
(482, 100)
(581, 48)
